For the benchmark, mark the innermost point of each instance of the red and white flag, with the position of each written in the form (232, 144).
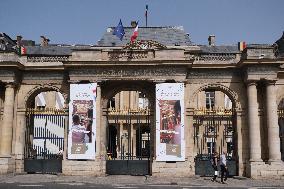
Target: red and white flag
(135, 34)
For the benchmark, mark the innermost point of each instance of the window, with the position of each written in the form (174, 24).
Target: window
(143, 101)
(228, 102)
(210, 146)
(210, 99)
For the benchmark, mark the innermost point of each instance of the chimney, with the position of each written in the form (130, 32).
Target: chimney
(19, 40)
(211, 40)
(44, 41)
(133, 24)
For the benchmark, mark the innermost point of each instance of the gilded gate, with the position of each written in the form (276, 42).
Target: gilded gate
(44, 140)
(214, 130)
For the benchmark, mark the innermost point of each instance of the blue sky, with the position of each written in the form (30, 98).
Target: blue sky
(85, 21)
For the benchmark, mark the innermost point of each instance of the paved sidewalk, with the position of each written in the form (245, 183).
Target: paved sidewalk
(125, 179)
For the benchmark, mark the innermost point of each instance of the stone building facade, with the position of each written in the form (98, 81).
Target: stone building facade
(251, 79)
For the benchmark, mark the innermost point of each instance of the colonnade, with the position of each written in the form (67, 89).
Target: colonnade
(271, 121)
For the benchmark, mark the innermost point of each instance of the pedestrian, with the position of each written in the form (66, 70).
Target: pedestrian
(224, 168)
(214, 163)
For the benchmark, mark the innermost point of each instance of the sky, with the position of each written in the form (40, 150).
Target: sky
(85, 21)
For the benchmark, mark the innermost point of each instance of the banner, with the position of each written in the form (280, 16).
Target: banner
(170, 143)
(82, 121)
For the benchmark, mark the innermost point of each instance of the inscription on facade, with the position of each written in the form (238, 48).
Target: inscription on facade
(150, 73)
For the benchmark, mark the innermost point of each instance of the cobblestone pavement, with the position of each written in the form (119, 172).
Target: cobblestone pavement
(125, 179)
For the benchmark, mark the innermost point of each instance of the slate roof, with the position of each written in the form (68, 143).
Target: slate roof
(49, 50)
(219, 49)
(280, 46)
(169, 36)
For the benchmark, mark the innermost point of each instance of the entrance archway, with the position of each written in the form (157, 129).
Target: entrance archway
(129, 130)
(281, 126)
(215, 129)
(45, 128)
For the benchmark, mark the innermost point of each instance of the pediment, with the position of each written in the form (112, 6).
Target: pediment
(144, 44)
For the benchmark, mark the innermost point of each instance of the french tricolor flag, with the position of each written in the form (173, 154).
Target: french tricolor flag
(135, 34)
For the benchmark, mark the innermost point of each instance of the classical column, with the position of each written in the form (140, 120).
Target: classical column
(272, 123)
(253, 120)
(98, 121)
(7, 124)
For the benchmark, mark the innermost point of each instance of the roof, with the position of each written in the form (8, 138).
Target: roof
(169, 36)
(49, 50)
(280, 46)
(219, 49)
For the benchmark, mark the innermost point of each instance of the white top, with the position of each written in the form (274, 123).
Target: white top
(223, 160)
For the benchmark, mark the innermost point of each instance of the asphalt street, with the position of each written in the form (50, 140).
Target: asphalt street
(45, 181)
(112, 186)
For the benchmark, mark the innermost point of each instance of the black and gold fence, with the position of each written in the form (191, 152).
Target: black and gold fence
(281, 131)
(128, 153)
(44, 132)
(214, 131)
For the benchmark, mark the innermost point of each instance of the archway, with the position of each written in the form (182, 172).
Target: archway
(215, 129)
(129, 127)
(281, 126)
(45, 128)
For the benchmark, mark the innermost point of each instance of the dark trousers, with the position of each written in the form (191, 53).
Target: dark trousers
(224, 171)
(215, 169)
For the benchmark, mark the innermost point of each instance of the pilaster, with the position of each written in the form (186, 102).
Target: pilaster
(20, 142)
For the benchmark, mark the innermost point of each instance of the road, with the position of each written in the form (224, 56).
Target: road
(79, 185)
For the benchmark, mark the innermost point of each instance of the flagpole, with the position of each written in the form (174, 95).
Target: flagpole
(146, 15)
(146, 21)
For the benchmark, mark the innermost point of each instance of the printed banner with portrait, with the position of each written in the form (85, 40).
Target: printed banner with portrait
(82, 121)
(170, 143)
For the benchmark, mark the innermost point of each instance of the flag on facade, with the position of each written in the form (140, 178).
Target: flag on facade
(22, 50)
(135, 34)
(119, 30)
(242, 45)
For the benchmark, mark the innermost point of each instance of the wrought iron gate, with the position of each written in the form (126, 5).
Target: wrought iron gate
(128, 147)
(44, 140)
(281, 131)
(214, 130)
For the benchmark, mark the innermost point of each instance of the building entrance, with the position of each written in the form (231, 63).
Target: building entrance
(281, 131)
(128, 148)
(214, 131)
(128, 137)
(44, 140)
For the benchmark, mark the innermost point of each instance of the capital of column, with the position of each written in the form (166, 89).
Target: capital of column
(270, 82)
(99, 83)
(251, 82)
(10, 85)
